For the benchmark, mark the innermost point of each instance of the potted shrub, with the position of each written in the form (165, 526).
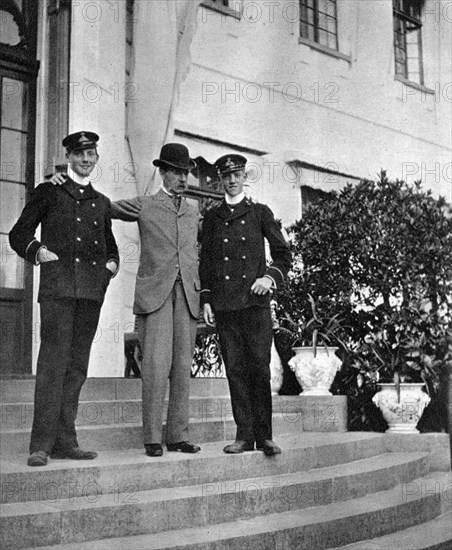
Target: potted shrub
(379, 255)
(316, 341)
(406, 353)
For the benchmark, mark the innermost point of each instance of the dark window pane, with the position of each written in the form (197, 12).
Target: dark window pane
(9, 31)
(323, 38)
(309, 16)
(13, 149)
(11, 266)
(408, 39)
(11, 205)
(327, 7)
(332, 41)
(308, 32)
(327, 23)
(14, 101)
(318, 21)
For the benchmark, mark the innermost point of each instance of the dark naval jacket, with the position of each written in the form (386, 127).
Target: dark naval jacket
(233, 255)
(75, 225)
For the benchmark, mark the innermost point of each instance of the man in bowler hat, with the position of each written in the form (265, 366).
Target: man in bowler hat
(166, 299)
(236, 286)
(78, 256)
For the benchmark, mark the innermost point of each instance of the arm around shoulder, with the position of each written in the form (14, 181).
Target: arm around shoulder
(127, 210)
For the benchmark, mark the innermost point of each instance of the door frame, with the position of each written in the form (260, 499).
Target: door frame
(19, 62)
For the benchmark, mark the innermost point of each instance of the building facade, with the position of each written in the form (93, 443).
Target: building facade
(315, 93)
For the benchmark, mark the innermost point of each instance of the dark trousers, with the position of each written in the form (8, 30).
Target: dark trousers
(245, 340)
(68, 327)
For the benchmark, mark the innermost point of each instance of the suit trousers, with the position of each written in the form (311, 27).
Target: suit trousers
(245, 341)
(167, 338)
(68, 327)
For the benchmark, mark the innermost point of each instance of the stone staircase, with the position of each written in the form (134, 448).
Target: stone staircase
(328, 489)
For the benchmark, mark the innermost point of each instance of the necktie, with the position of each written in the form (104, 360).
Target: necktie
(176, 201)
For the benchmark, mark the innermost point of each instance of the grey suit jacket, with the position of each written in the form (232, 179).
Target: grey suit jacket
(168, 247)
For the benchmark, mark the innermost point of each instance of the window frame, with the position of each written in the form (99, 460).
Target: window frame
(305, 24)
(19, 62)
(403, 16)
(225, 9)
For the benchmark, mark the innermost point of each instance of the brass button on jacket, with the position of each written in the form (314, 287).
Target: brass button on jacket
(240, 237)
(69, 229)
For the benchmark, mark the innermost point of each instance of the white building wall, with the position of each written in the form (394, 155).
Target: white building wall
(252, 84)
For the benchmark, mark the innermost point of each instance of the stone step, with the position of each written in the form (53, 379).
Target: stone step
(323, 486)
(135, 512)
(126, 411)
(105, 389)
(321, 413)
(114, 425)
(315, 528)
(129, 436)
(435, 534)
(132, 470)
(123, 436)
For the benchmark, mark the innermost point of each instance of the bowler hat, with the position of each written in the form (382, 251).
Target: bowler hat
(175, 155)
(80, 140)
(230, 163)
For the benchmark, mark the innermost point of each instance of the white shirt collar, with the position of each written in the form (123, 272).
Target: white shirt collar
(234, 200)
(167, 192)
(78, 179)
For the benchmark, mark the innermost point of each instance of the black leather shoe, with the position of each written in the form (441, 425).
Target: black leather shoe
(238, 446)
(153, 449)
(74, 454)
(269, 447)
(183, 447)
(38, 458)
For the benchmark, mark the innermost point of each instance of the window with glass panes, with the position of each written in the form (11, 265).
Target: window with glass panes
(18, 74)
(318, 22)
(408, 40)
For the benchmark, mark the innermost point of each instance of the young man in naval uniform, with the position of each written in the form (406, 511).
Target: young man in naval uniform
(236, 285)
(78, 256)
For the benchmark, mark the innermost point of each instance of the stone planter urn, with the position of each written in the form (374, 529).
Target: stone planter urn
(401, 415)
(315, 374)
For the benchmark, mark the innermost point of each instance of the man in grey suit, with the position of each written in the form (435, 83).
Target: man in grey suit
(166, 298)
